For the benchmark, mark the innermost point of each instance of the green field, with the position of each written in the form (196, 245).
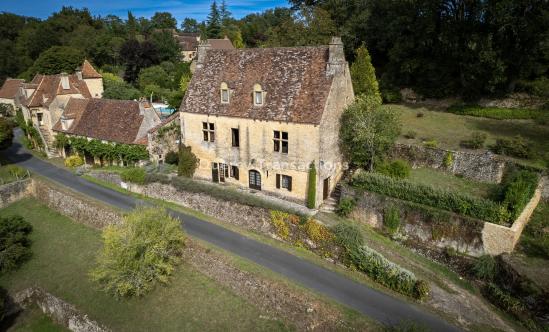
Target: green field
(450, 129)
(34, 320)
(445, 181)
(63, 254)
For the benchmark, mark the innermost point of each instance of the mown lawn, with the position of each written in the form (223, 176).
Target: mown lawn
(64, 253)
(34, 320)
(450, 129)
(445, 181)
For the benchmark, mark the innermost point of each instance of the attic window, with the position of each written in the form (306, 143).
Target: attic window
(224, 93)
(258, 95)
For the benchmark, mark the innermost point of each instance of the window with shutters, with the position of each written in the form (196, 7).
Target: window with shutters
(284, 181)
(208, 131)
(280, 140)
(235, 172)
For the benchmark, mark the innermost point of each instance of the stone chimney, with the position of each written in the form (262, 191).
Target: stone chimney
(78, 73)
(65, 81)
(336, 59)
(203, 47)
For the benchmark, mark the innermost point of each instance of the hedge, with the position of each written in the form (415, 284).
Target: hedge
(494, 112)
(459, 203)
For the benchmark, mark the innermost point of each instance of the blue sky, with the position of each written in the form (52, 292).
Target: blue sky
(179, 8)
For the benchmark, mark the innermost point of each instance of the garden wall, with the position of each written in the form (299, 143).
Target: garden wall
(14, 191)
(73, 205)
(479, 166)
(60, 311)
(420, 225)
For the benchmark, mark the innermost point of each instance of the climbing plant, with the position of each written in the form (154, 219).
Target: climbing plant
(129, 153)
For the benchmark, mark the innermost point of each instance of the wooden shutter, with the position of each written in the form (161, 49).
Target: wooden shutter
(289, 183)
(278, 181)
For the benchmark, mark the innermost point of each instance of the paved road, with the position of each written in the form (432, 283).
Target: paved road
(377, 305)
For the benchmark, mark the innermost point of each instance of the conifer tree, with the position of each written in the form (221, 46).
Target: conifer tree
(363, 75)
(213, 27)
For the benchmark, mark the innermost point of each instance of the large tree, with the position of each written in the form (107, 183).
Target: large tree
(190, 25)
(213, 25)
(367, 131)
(56, 60)
(363, 75)
(163, 20)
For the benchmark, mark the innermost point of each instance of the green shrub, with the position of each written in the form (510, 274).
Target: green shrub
(391, 220)
(399, 169)
(432, 143)
(188, 162)
(391, 96)
(317, 232)
(543, 118)
(133, 175)
(514, 147)
(348, 236)
(14, 242)
(278, 219)
(421, 289)
(172, 158)
(459, 203)
(311, 188)
(494, 112)
(345, 206)
(485, 268)
(74, 161)
(448, 160)
(16, 171)
(535, 238)
(6, 132)
(475, 142)
(141, 251)
(538, 87)
(4, 303)
(518, 189)
(410, 134)
(503, 300)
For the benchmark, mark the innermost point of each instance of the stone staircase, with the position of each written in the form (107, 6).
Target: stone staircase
(330, 204)
(48, 142)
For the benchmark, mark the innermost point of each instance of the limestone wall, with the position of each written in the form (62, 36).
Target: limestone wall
(73, 205)
(479, 166)
(14, 191)
(60, 311)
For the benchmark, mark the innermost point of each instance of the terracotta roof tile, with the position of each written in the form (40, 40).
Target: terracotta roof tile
(104, 119)
(49, 86)
(10, 88)
(294, 80)
(88, 71)
(220, 44)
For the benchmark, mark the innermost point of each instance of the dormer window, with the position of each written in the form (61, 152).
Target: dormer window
(258, 95)
(224, 93)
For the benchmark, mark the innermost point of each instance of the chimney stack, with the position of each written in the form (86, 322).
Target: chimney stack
(336, 60)
(65, 81)
(203, 47)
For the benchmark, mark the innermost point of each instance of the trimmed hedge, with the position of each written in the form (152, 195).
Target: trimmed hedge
(462, 204)
(494, 112)
(518, 190)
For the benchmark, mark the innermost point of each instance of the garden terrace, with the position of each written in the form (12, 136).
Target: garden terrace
(450, 130)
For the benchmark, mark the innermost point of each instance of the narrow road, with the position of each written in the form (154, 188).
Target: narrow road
(370, 302)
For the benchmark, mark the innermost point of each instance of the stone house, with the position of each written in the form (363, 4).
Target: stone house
(188, 42)
(164, 138)
(258, 118)
(45, 97)
(9, 93)
(107, 120)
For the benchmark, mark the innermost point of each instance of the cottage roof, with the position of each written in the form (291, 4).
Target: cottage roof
(10, 88)
(50, 86)
(105, 119)
(88, 71)
(220, 44)
(187, 42)
(294, 81)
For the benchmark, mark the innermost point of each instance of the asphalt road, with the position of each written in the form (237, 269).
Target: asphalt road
(375, 304)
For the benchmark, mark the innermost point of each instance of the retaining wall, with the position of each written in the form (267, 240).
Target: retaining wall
(14, 191)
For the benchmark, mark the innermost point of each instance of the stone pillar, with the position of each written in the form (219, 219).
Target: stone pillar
(336, 60)
(203, 47)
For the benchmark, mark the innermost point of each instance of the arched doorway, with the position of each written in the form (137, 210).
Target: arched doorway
(254, 179)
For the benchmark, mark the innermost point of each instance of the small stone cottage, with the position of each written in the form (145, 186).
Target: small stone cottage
(258, 118)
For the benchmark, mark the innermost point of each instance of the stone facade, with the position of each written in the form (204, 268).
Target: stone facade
(74, 206)
(15, 191)
(164, 138)
(479, 166)
(60, 311)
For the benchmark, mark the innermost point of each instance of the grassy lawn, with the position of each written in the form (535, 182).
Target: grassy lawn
(34, 320)
(64, 252)
(534, 241)
(449, 182)
(450, 129)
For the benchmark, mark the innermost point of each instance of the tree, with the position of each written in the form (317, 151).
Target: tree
(137, 55)
(58, 59)
(153, 75)
(190, 25)
(311, 188)
(367, 131)
(14, 242)
(6, 132)
(167, 47)
(143, 250)
(188, 162)
(163, 20)
(224, 13)
(363, 75)
(116, 88)
(213, 25)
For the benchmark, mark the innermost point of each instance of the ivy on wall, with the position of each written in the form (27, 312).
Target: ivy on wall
(129, 153)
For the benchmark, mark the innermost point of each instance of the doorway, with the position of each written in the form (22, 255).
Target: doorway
(254, 178)
(326, 188)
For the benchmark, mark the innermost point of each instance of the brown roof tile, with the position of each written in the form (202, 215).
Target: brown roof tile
(294, 80)
(164, 122)
(220, 44)
(104, 119)
(49, 86)
(88, 71)
(10, 88)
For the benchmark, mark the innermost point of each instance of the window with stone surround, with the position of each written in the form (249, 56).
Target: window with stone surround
(208, 130)
(224, 93)
(258, 95)
(284, 181)
(280, 141)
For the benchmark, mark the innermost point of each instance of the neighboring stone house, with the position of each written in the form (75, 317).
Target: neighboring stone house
(112, 121)
(45, 97)
(220, 44)
(258, 118)
(164, 138)
(188, 42)
(9, 93)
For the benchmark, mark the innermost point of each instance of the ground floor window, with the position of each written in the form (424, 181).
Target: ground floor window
(284, 181)
(254, 179)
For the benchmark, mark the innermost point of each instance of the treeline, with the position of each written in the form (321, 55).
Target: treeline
(437, 47)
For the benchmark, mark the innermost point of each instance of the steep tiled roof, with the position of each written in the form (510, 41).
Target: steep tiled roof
(50, 86)
(88, 71)
(220, 44)
(10, 88)
(104, 119)
(187, 42)
(294, 80)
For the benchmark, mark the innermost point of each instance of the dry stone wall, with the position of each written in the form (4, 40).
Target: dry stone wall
(14, 191)
(479, 166)
(60, 311)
